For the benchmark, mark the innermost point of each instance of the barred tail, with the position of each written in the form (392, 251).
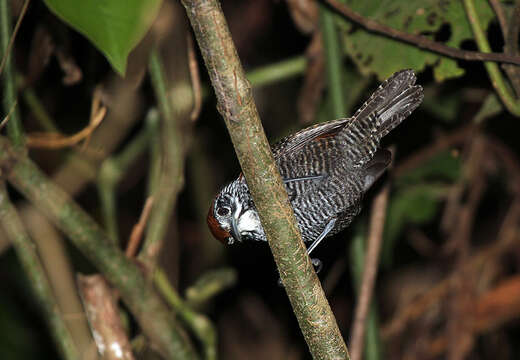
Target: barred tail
(391, 103)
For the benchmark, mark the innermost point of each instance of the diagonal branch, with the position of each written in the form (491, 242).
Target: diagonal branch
(418, 40)
(153, 316)
(236, 104)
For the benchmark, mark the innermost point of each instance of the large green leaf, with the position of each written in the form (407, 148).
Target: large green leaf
(375, 54)
(114, 26)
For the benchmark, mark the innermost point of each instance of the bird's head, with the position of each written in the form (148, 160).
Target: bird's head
(233, 217)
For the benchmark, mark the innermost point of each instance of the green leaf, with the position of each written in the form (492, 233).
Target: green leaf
(115, 27)
(442, 103)
(445, 166)
(411, 205)
(375, 54)
(491, 107)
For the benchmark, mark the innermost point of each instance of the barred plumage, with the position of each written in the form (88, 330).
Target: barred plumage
(326, 168)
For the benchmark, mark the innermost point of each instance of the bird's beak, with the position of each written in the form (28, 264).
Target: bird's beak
(234, 230)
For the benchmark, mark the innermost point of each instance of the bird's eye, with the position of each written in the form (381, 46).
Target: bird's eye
(223, 211)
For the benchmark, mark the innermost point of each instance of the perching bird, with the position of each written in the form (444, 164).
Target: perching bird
(326, 169)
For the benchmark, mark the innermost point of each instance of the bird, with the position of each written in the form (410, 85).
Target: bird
(326, 169)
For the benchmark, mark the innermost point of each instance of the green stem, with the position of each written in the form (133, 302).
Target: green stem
(334, 59)
(236, 105)
(199, 324)
(152, 315)
(373, 349)
(276, 72)
(501, 87)
(38, 110)
(171, 178)
(26, 251)
(209, 285)
(112, 171)
(14, 126)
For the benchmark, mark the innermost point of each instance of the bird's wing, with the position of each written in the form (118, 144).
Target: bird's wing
(308, 156)
(293, 143)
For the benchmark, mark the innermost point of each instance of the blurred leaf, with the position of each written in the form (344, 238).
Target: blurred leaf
(114, 26)
(491, 107)
(411, 205)
(375, 54)
(442, 104)
(445, 166)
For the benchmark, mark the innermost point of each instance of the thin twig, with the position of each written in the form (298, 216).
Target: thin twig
(511, 47)
(170, 179)
(153, 316)
(501, 15)
(9, 95)
(497, 80)
(13, 35)
(195, 79)
(505, 239)
(458, 324)
(375, 239)
(58, 141)
(199, 324)
(418, 40)
(138, 229)
(8, 116)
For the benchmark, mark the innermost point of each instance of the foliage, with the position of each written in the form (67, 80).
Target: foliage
(416, 17)
(115, 27)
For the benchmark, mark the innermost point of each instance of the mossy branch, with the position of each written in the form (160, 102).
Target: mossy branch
(235, 103)
(153, 316)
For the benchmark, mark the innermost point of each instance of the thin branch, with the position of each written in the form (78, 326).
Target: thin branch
(420, 41)
(511, 47)
(507, 236)
(497, 80)
(36, 274)
(14, 126)
(195, 78)
(8, 116)
(138, 229)
(57, 141)
(171, 178)
(236, 105)
(199, 324)
(13, 35)
(209, 285)
(152, 315)
(501, 15)
(375, 239)
(115, 167)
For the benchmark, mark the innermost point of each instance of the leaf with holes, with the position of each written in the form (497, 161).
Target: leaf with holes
(115, 27)
(376, 54)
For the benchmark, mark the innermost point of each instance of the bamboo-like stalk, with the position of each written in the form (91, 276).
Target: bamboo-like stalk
(157, 322)
(236, 105)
